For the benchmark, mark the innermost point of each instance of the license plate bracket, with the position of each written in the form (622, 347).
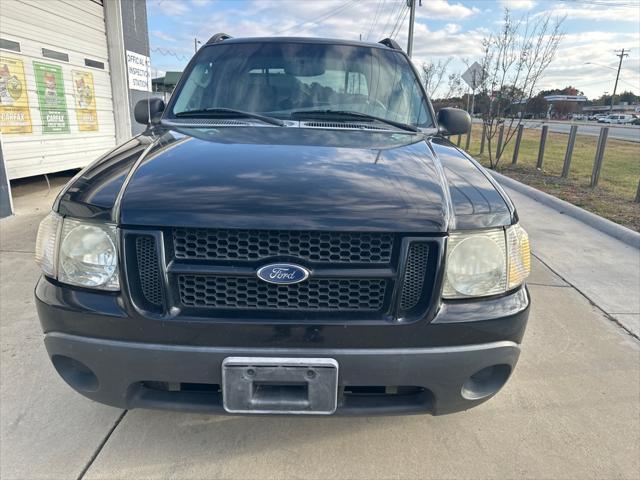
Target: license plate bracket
(280, 385)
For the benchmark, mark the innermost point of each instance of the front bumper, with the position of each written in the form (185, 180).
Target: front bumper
(110, 353)
(435, 380)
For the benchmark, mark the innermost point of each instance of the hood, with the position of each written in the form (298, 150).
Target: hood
(288, 178)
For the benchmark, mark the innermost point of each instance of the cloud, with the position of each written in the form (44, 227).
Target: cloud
(442, 9)
(615, 12)
(452, 28)
(170, 7)
(518, 4)
(162, 36)
(586, 61)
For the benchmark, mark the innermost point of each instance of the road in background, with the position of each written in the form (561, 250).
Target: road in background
(630, 133)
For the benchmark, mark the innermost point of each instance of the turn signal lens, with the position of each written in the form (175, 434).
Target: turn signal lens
(519, 255)
(47, 243)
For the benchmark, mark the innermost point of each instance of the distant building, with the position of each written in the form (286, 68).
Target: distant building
(166, 83)
(623, 107)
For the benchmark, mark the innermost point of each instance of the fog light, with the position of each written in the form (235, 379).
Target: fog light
(486, 382)
(75, 373)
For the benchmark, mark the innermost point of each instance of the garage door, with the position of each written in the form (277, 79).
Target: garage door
(56, 108)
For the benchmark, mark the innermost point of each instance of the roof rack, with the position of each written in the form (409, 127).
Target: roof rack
(218, 37)
(391, 43)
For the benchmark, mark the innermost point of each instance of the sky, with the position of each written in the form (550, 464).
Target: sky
(594, 30)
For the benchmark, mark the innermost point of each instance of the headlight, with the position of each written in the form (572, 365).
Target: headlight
(79, 252)
(488, 262)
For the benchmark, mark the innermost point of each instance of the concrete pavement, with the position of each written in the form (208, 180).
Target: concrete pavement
(571, 410)
(605, 270)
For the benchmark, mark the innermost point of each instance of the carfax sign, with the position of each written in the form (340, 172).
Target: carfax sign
(53, 105)
(14, 104)
(85, 100)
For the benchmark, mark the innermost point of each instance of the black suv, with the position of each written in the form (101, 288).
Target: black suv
(293, 233)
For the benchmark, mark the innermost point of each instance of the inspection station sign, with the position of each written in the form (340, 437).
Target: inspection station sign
(138, 71)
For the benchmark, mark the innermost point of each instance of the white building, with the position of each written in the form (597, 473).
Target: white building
(65, 95)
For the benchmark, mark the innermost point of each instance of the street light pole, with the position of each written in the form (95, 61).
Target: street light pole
(621, 55)
(195, 44)
(412, 18)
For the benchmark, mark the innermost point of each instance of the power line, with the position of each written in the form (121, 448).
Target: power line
(395, 24)
(392, 13)
(396, 29)
(379, 9)
(321, 17)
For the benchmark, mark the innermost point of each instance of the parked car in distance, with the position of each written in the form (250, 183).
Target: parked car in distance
(578, 116)
(597, 116)
(617, 119)
(293, 233)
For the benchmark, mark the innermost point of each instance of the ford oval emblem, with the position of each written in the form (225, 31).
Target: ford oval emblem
(283, 273)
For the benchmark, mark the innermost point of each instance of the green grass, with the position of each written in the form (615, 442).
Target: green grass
(614, 196)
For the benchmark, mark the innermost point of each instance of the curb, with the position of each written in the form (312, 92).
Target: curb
(608, 227)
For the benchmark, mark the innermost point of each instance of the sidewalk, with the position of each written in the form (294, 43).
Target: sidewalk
(605, 270)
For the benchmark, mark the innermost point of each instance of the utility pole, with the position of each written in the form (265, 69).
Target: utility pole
(621, 55)
(412, 19)
(195, 44)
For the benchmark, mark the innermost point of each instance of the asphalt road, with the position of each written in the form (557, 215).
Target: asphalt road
(628, 133)
(571, 410)
(619, 132)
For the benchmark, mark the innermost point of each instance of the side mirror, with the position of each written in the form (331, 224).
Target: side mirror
(148, 111)
(453, 121)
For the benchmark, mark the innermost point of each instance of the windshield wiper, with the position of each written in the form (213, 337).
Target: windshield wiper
(229, 112)
(350, 115)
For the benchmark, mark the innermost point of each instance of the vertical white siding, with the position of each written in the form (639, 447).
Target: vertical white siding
(77, 28)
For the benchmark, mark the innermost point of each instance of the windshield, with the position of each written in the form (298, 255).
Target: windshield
(279, 78)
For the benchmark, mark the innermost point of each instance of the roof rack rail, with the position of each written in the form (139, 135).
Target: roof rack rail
(391, 43)
(218, 37)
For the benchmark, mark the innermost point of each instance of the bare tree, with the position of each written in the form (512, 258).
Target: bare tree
(513, 63)
(433, 74)
(455, 87)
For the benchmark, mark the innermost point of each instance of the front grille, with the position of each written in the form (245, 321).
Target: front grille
(324, 294)
(320, 247)
(149, 269)
(211, 273)
(414, 275)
